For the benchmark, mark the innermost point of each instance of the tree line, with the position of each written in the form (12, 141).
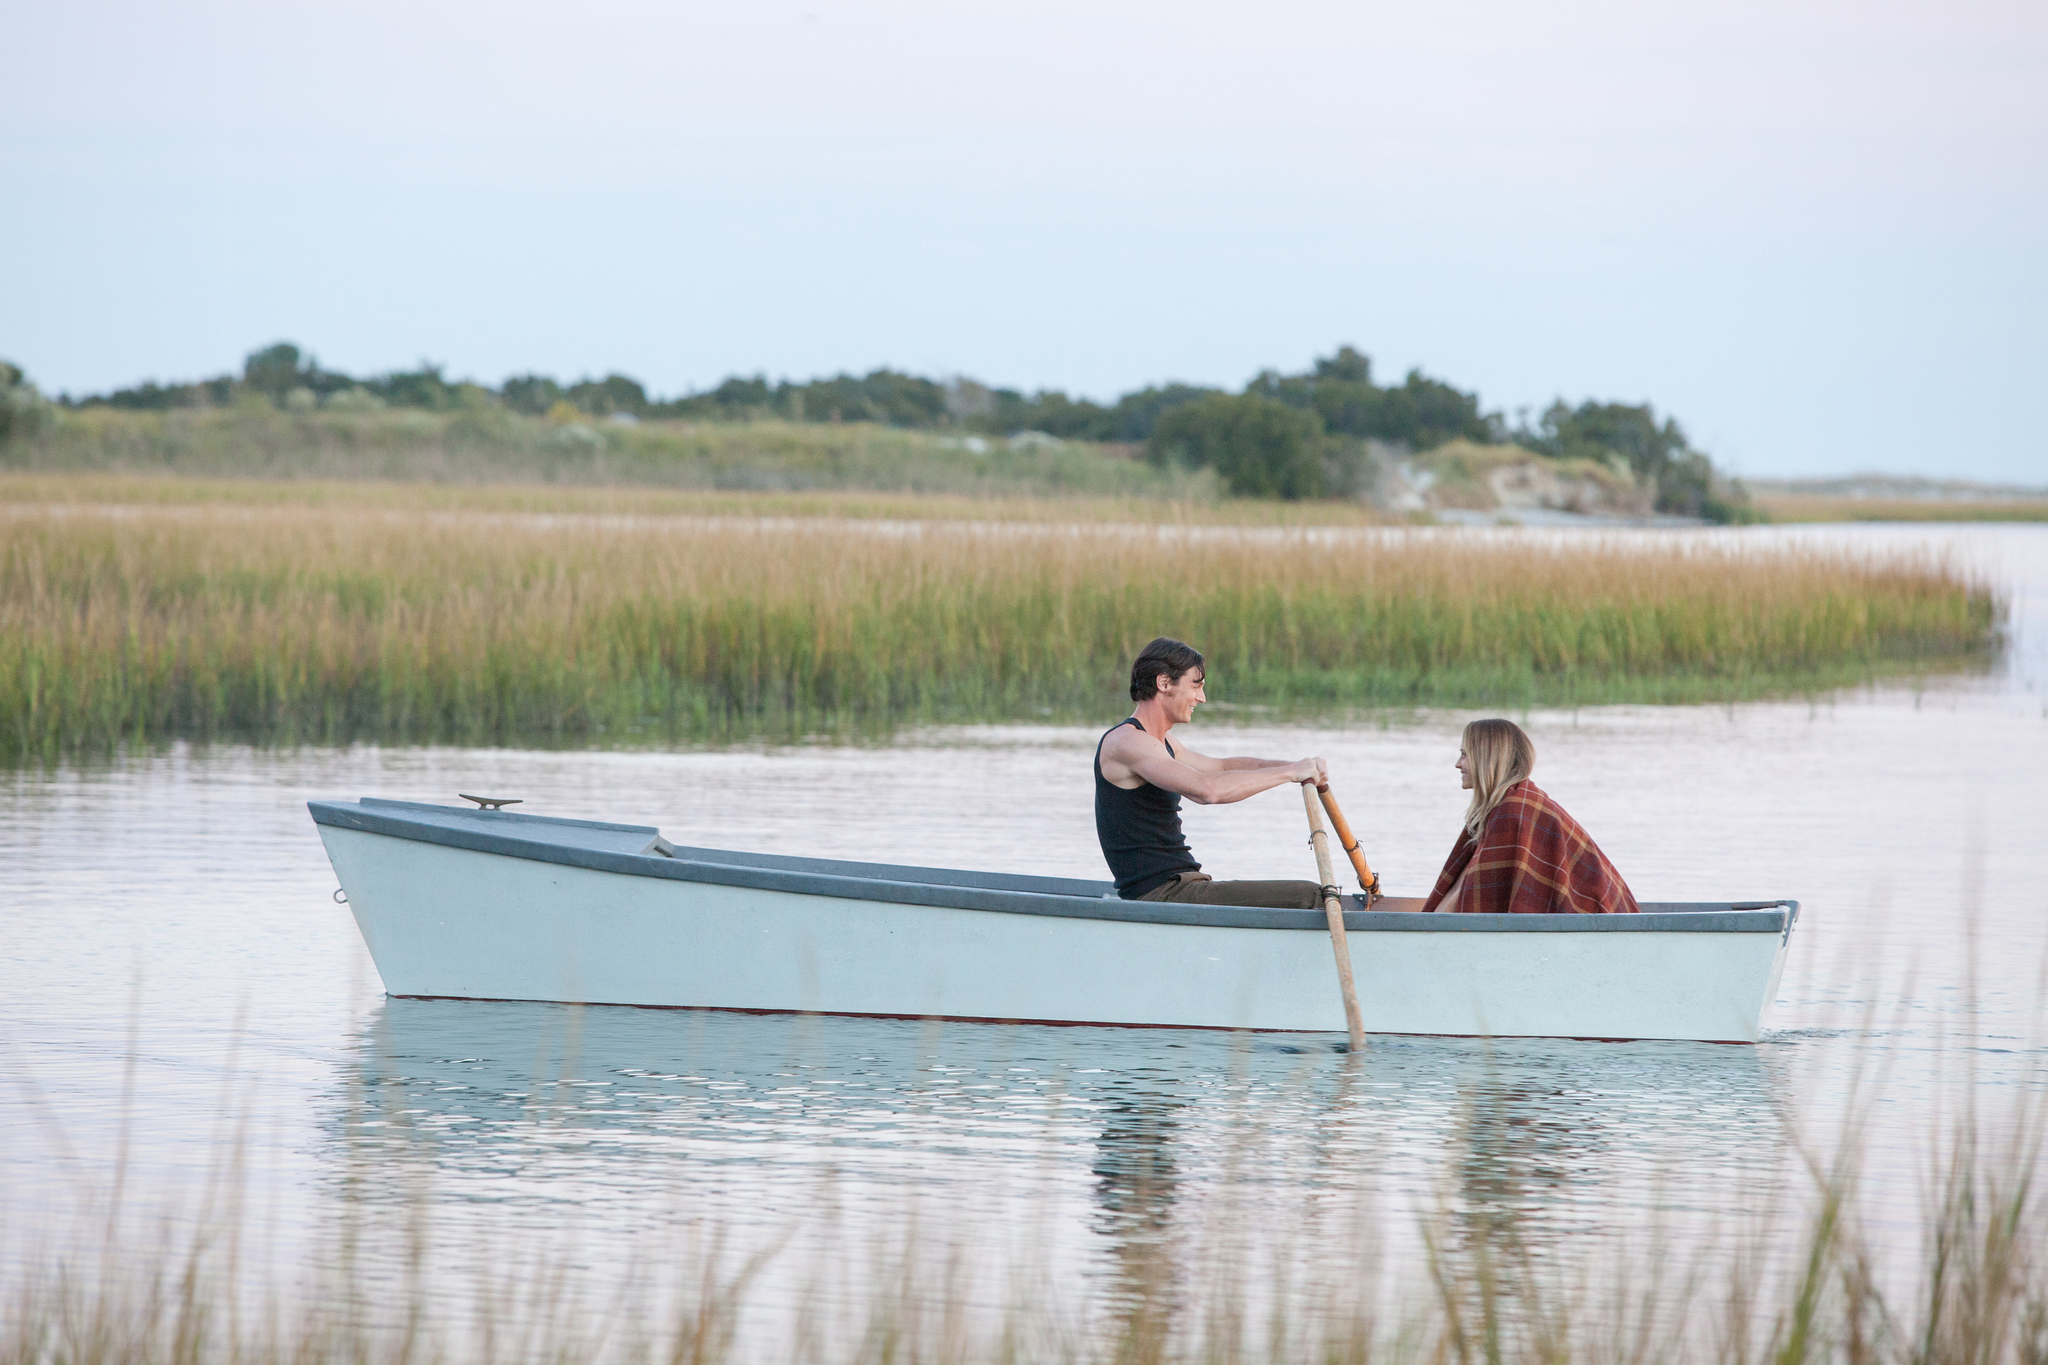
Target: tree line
(1299, 435)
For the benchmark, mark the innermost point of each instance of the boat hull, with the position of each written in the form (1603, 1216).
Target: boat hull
(443, 920)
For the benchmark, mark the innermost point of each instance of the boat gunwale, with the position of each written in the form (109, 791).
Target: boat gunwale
(423, 822)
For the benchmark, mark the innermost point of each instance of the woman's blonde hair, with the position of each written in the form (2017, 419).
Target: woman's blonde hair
(1500, 756)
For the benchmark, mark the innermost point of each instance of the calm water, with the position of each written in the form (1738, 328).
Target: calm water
(179, 985)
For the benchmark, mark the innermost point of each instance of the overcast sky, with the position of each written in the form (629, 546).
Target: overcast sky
(1817, 233)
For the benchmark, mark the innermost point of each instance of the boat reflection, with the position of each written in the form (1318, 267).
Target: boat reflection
(1124, 1146)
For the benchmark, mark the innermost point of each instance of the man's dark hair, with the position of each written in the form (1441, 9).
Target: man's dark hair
(1163, 655)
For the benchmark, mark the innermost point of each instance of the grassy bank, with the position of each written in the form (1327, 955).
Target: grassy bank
(1790, 507)
(494, 445)
(374, 495)
(303, 623)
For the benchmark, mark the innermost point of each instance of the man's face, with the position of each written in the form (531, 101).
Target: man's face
(1180, 698)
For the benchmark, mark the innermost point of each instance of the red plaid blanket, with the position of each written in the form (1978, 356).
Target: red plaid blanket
(1531, 859)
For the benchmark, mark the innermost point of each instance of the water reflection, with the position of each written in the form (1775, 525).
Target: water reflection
(1123, 1148)
(1136, 1186)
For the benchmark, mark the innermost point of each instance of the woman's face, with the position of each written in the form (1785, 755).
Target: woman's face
(1464, 769)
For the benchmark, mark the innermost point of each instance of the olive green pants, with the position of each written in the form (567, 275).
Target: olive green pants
(1199, 888)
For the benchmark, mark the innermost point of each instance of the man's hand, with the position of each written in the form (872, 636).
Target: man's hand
(1310, 770)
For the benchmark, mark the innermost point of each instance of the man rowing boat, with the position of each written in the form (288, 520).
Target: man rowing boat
(1140, 777)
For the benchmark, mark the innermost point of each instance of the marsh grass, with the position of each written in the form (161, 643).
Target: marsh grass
(1968, 1286)
(285, 623)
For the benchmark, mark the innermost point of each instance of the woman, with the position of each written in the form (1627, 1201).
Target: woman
(1519, 852)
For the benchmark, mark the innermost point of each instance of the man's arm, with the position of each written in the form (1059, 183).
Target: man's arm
(1202, 763)
(1133, 753)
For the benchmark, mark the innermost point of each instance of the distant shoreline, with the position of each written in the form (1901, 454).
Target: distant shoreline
(860, 466)
(1894, 497)
(1327, 434)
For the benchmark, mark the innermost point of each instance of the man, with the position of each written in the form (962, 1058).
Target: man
(1141, 775)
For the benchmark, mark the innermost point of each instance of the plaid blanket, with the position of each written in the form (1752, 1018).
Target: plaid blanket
(1531, 859)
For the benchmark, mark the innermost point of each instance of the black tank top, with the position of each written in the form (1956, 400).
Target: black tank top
(1139, 828)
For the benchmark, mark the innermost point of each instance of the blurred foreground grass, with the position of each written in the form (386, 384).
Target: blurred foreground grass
(362, 614)
(1831, 1277)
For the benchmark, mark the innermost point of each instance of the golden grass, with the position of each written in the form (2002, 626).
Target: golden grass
(312, 622)
(1794, 507)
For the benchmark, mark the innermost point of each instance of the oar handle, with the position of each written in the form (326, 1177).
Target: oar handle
(1333, 912)
(1368, 881)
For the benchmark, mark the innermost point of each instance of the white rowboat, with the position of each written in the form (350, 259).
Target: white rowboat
(491, 905)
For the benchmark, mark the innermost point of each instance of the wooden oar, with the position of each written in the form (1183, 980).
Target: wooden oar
(1368, 880)
(1333, 910)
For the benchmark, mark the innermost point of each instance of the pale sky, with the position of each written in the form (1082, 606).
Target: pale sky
(1817, 233)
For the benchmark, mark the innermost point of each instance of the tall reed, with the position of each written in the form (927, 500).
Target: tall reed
(296, 623)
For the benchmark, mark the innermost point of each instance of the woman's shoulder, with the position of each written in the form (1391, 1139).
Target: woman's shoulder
(1522, 801)
(1524, 793)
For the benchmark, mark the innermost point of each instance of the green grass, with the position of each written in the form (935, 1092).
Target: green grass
(492, 445)
(315, 623)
